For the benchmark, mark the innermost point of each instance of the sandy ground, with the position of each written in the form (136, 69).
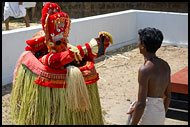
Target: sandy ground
(118, 84)
(15, 25)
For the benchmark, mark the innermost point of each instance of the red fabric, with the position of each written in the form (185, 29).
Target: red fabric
(89, 51)
(66, 57)
(36, 40)
(81, 50)
(35, 49)
(36, 66)
(88, 66)
(48, 84)
(57, 60)
(54, 12)
(52, 29)
(92, 81)
(106, 45)
(46, 11)
(46, 58)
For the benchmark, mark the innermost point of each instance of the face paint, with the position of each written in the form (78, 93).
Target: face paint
(61, 45)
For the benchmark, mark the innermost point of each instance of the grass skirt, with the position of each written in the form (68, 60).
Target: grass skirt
(32, 104)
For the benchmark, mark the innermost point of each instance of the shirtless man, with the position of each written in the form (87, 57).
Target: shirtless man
(154, 81)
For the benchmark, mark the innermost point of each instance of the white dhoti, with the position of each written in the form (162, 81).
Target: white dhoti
(13, 9)
(154, 112)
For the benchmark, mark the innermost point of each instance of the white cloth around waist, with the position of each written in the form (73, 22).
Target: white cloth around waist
(154, 112)
(13, 9)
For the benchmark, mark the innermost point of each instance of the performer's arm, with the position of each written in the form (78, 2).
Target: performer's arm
(57, 60)
(97, 46)
(142, 94)
(92, 49)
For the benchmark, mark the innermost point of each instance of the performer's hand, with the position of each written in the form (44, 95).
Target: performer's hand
(76, 53)
(104, 39)
(132, 107)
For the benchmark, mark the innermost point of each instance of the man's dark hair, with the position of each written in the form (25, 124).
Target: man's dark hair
(151, 37)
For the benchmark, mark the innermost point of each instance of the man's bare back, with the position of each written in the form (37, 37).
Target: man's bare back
(159, 75)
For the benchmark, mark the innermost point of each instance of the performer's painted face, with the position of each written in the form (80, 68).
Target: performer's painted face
(61, 45)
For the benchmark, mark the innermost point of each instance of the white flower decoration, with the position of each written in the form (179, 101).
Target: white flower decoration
(52, 34)
(58, 30)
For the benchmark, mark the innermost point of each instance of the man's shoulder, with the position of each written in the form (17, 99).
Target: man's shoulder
(165, 65)
(145, 69)
(148, 67)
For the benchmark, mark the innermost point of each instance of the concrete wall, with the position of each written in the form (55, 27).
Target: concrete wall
(122, 25)
(174, 26)
(13, 44)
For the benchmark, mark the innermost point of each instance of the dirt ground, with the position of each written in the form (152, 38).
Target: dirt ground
(118, 83)
(18, 23)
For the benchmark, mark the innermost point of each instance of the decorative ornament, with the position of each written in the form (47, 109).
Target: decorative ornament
(52, 34)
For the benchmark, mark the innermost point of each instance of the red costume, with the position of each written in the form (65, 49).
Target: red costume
(48, 59)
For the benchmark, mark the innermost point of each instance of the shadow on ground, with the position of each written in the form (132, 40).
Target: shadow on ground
(6, 89)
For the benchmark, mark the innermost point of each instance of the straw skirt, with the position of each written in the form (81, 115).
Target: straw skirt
(32, 104)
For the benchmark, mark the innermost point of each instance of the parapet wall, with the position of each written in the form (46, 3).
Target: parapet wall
(123, 26)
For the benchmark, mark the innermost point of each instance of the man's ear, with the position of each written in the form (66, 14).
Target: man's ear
(142, 46)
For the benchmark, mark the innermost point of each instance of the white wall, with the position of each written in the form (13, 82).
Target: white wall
(122, 26)
(13, 44)
(174, 26)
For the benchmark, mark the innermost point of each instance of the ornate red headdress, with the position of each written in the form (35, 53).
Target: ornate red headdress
(37, 42)
(55, 23)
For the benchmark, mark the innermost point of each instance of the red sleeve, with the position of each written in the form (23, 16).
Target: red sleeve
(66, 57)
(81, 50)
(89, 51)
(57, 60)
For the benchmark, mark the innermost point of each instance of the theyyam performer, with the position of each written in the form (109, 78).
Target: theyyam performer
(55, 83)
